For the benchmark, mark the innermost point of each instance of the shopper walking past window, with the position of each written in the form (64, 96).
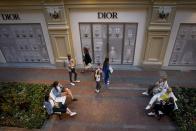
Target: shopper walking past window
(87, 59)
(106, 71)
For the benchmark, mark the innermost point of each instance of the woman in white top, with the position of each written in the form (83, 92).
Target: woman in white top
(59, 94)
(50, 107)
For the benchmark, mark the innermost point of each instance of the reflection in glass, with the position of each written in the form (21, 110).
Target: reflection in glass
(85, 34)
(19, 47)
(114, 40)
(184, 51)
(100, 42)
(115, 43)
(129, 43)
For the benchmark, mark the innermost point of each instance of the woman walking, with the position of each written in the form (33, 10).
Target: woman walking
(87, 59)
(106, 71)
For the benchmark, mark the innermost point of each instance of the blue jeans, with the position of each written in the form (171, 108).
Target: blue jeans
(106, 78)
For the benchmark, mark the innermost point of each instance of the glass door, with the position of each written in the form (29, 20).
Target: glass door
(86, 37)
(99, 42)
(129, 43)
(115, 42)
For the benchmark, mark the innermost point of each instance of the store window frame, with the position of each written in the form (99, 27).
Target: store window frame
(123, 40)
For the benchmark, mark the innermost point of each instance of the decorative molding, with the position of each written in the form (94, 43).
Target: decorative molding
(55, 14)
(20, 8)
(151, 54)
(59, 28)
(182, 68)
(107, 2)
(159, 28)
(162, 14)
(60, 47)
(151, 63)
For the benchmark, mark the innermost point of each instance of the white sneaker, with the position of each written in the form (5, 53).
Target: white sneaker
(148, 107)
(97, 91)
(73, 114)
(161, 113)
(72, 84)
(151, 114)
(145, 93)
(77, 81)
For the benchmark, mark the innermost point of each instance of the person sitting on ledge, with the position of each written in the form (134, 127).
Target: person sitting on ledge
(159, 86)
(163, 107)
(162, 96)
(60, 93)
(51, 107)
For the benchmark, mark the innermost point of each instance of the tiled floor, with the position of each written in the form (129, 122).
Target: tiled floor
(121, 107)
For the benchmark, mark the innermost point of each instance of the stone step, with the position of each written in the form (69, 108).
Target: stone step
(111, 112)
(81, 126)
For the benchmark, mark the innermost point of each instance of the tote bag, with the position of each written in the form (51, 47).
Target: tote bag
(111, 69)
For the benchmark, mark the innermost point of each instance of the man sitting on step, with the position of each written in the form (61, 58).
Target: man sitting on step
(163, 107)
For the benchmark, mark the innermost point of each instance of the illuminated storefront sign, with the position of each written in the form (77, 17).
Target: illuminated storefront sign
(107, 15)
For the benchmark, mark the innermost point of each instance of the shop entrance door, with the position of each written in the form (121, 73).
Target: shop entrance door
(113, 40)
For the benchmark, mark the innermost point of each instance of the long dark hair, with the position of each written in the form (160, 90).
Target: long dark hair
(46, 98)
(106, 62)
(86, 50)
(55, 84)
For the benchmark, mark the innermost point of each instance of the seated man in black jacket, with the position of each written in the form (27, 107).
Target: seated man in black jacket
(163, 108)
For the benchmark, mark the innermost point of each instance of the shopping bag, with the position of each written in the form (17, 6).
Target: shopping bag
(111, 69)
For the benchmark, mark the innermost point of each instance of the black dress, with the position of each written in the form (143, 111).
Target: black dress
(87, 59)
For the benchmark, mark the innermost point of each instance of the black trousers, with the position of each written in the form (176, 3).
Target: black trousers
(166, 109)
(98, 85)
(73, 71)
(62, 109)
(158, 107)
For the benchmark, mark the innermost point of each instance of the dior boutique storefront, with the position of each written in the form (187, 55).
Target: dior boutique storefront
(131, 34)
(109, 34)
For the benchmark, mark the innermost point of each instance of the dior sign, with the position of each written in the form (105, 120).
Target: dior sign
(107, 15)
(9, 16)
